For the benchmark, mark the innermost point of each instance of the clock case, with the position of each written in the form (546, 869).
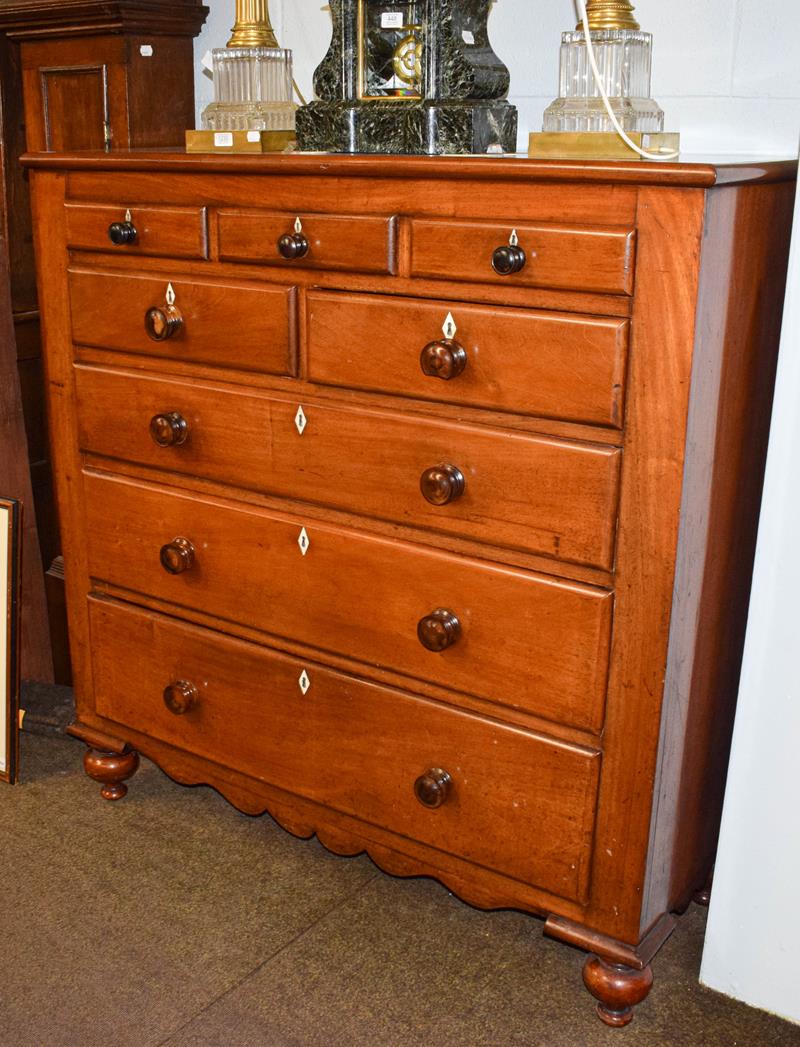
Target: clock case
(458, 106)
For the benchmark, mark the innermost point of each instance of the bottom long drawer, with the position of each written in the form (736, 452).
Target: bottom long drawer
(515, 802)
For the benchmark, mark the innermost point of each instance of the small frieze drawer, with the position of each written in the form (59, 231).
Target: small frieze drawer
(556, 365)
(597, 259)
(504, 798)
(172, 232)
(242, 325)
(356, 243)
(517, 639)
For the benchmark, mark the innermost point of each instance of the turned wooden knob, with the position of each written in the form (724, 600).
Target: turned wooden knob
(433, 787)
(292, 246)
(177, 556)
(180, 696)
(169, 429)
(508, 259)
(439, 629)
(120, 233)
(443, 359)
(162, 322)
(441, 484)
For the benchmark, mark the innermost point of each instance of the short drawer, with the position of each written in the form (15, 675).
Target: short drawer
(555, 365)
(553, 497)
(359, 243)
(226, 324)
(514, 802)
(520, 639)
(174, 232)
(579, 258)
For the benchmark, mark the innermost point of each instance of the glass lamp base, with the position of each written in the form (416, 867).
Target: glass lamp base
(248, 116)
(589, 114)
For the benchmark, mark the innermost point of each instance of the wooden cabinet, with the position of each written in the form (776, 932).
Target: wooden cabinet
(437, 552)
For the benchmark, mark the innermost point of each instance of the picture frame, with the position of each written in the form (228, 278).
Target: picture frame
(10, 553)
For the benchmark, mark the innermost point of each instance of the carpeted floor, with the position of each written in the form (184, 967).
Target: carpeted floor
(171, 919)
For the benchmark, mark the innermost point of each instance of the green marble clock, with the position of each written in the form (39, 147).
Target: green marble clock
(409, 76)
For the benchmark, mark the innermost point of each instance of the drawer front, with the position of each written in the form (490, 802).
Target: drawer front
(526, 641)
(550, 364)
(571, 258)
(547, 496)
(515, 802)
(247, 326)
(175, 232)
(359, 243)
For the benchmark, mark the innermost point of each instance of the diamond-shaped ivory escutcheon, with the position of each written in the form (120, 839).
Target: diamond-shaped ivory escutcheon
(303, 541)
(304, 681)
(513, 239)
(449, 326)
(300, 419)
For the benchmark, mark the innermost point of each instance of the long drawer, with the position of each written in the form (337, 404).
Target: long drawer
(512, 801)
(553, 497)
(551, 364)
(515, 638)
(236, 324)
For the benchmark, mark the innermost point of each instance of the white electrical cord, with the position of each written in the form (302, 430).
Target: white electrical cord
(598, 80)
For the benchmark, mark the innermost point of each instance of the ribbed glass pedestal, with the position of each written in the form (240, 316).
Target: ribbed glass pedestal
(623, 59)
(252, 90)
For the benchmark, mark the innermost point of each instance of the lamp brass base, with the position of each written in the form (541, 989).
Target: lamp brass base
(240, 141)
(599, 145)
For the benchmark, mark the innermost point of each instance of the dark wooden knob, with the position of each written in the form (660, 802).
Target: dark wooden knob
(439, 629)
(162, 322)
(180, 696)
(443, 359)
(120, 233)
(507, 259)
(433, 787)
(442, 484)
(292, 245)
(169, 429)
(177, 556)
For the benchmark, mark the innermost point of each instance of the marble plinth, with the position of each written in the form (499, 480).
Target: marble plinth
(407, 127)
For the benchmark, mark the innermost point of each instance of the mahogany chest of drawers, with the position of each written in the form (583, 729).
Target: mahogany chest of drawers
(414, 500)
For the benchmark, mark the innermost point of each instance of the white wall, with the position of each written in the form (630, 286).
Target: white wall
(754, 918)
(724, 71)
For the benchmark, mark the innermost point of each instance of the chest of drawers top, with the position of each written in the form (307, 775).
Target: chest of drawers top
(424, 493)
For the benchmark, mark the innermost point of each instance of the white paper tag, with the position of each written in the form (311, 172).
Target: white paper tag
(146, 50)
(392, 20)
(223, 139)
(253, 136)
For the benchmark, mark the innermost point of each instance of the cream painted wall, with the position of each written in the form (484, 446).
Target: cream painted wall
(754, 918)
(724, 71)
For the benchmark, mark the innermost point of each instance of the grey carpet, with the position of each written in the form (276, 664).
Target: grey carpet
(171, 919)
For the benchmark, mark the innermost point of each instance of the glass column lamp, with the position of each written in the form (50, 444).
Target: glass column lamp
(252, 77)
(623, 53)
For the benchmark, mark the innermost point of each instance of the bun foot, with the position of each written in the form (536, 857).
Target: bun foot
(617, 988)
(111, 770)
(703, 896)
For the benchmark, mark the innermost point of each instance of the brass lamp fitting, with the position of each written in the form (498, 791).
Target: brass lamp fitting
(609, 14)
(253, 27)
